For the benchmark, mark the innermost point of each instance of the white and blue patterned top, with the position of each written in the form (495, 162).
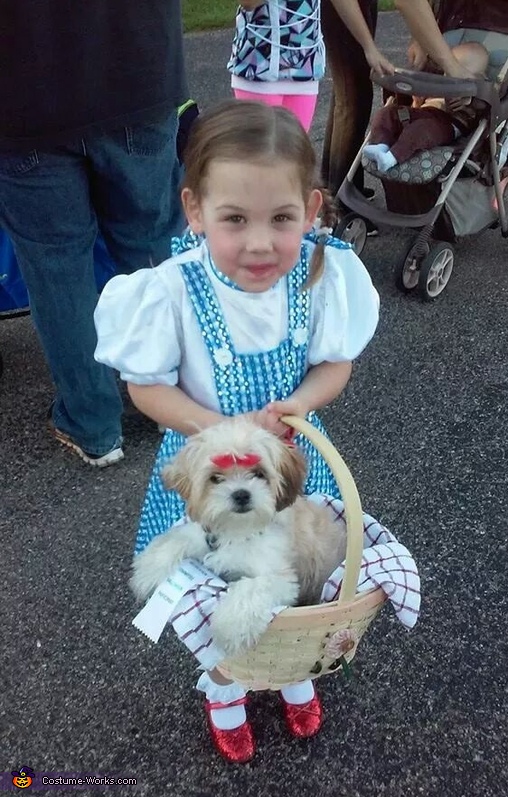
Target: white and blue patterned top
(280, 40)
(231, 351)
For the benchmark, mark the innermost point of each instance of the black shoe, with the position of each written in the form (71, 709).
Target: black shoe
(372, 230)
(369, 194)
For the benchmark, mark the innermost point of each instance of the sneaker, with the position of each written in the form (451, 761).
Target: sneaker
(96, 460)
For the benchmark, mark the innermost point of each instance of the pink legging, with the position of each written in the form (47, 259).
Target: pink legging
(302, 105)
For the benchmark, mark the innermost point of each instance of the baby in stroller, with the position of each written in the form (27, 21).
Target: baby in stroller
(398, 132)
(444, 192)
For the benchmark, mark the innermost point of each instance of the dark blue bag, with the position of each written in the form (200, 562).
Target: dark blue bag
(13, 292)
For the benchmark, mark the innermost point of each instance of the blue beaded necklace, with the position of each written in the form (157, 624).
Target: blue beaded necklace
(222, 277)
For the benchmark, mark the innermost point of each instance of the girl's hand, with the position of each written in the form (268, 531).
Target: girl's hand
(276, 409)
(457, 70)
(259, 417)
(379, 65)
(455, 104)
(416, 56)
(269, 420)
(269, 417)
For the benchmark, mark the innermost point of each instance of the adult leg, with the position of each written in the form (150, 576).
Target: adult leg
(351, 104)
(45, 209)
(135, 189)
(303, 107)
(427, 129)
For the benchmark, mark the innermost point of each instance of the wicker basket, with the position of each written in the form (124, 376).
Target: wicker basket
(310, 641)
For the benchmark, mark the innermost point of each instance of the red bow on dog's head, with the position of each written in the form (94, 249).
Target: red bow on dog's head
(225, 461)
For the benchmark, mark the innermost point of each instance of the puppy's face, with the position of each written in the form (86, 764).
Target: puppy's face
(236, 476)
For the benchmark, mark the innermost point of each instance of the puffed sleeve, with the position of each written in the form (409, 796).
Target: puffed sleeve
(345, 309)
(137, 330)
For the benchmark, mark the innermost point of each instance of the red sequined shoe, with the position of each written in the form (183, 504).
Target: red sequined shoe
(304, 719)
(237, 745)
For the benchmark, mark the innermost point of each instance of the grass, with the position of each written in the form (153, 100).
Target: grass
(199, 15)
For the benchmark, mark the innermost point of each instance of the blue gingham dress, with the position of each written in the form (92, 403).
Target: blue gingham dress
(244, 383)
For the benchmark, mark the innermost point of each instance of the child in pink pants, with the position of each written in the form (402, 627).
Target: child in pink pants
(278, 54)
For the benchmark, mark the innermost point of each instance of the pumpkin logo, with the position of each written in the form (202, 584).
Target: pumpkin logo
(23, 778)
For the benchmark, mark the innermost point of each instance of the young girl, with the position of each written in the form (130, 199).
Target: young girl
(278, 54)
(259, 318)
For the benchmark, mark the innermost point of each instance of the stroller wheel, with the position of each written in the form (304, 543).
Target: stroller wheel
(436, 270)
(407, 271)
(352, 229)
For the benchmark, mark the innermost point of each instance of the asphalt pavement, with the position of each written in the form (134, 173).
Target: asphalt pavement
(423, 427)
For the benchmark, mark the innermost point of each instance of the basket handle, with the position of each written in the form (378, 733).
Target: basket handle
(352, 504)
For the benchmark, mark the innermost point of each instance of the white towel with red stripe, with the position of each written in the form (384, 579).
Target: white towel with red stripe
(187, 599)
(385, 563)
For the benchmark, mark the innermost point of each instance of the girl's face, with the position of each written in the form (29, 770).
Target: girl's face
(254, 216)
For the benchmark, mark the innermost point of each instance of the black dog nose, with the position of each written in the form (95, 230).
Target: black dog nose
(241, 497)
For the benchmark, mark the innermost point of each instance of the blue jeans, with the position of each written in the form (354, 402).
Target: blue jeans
(52, 203)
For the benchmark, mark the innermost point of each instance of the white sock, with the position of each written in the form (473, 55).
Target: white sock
(386, 160)
(371, 150)
(298, 693)
(228, 717)
(381, 154)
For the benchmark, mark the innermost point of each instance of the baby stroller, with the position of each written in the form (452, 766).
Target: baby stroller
(446, 192)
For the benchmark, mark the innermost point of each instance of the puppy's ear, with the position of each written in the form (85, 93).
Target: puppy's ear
(292, 471)
(175, 476)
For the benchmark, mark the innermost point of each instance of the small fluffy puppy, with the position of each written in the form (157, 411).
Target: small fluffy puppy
(249, 525)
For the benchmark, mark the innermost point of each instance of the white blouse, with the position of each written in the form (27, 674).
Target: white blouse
(147, 328)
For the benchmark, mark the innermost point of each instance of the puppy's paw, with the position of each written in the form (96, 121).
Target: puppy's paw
(235, 633)
(245, 612)
(153, 565)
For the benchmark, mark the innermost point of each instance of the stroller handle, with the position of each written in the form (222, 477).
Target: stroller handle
(405, 81)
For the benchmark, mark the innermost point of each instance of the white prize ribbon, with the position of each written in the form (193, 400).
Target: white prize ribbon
(158, 611)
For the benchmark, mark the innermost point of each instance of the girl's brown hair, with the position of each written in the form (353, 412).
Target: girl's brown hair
(252, 131)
